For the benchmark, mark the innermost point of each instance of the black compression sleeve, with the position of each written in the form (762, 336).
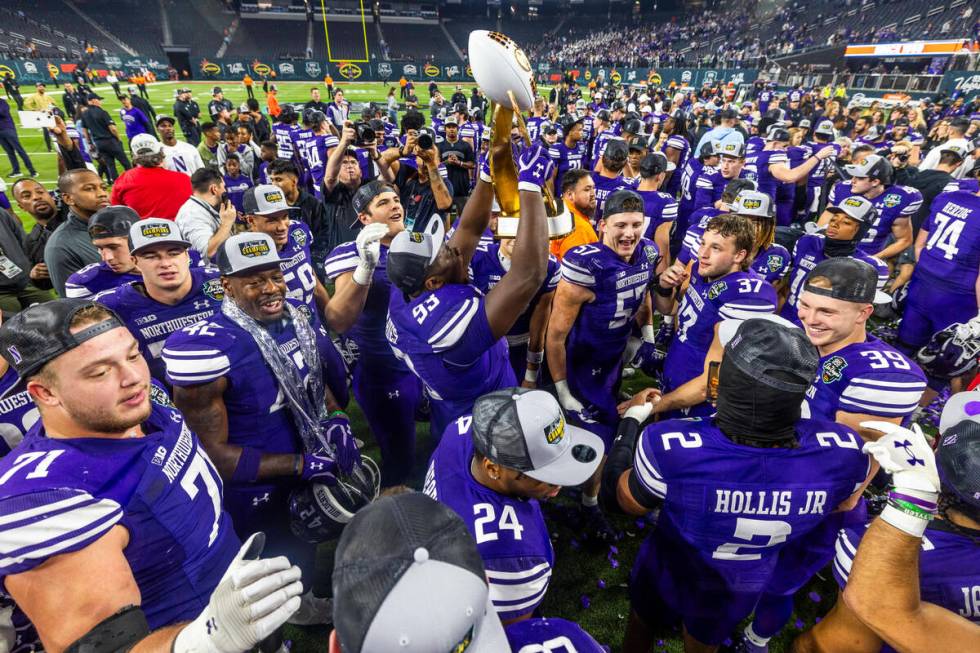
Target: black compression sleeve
(618, 460)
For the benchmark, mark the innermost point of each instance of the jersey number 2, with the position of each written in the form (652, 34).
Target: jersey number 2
(746, 529)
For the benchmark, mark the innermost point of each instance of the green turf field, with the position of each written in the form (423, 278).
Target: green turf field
(589, 583)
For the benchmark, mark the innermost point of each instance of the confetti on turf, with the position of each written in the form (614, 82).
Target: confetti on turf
(586, 602)
(799, 624)
(814, 597)
(601, 584)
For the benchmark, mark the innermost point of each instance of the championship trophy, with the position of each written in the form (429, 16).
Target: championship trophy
(503, 73)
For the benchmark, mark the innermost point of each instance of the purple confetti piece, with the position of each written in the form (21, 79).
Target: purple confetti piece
(817, 620)
(641, 524)
(585, 601)
(601, 584)
(727, 642)
(799, 624)
(814, 597)
(614, 563)
(660, 642)
(575, 544)
(613, 549)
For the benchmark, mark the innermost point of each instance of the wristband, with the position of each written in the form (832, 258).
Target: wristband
(529, 186)
(247, 469)
(649, 335)
(909, 522)
(531, 376)
(536, 357)
(664, 292)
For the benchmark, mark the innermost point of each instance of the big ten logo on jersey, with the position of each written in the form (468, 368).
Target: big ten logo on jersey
(971, 602)
(489, 528)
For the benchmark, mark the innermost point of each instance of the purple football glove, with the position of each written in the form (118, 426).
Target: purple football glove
(318, 467)
(337, 430)
(534, 168)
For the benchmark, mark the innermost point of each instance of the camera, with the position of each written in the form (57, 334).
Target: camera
(425, 141)
(363, 133)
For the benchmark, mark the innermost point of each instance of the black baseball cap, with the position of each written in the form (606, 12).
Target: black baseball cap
(362, 198)
(603, 115)
(622, 201)
(958, 462)
(412, 252)
(902, 122)
(164, 118)
(112, 222)
(639, 144)
(93, 96)
(763, 346)
(215, 90)
(849, 279)
(40, 333)
(654, 163)
(633, 126)
(616, 150)
(407, 572)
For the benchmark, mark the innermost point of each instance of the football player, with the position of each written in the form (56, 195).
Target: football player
(859, 378)
(659, 207)
(385, 389)
(284, 130)
(910, 580)
(264, 387)
(849, 222)
(570, 151)
(109, 231)
(492, 468)
(445, 330)
(891, 233)
(603, 289)
(945, 284)
(693, 169)
(823, 134)
(111, 508)
(717, 541)
(770, 166)
(723, 286)
(608, 178)
(315, 143)
(700, 218)
(711, 183)
(676, 148)
(171, 293)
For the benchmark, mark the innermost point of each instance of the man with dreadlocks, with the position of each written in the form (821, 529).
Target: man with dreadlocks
(264, 387)
(911, 579)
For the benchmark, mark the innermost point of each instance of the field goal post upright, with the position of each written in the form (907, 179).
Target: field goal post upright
(326, 36)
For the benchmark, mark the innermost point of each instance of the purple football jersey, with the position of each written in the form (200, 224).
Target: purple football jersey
(771, 264)
(151, 322)
(599, 335)
(896, 203)
(534, 126)
(757, 169)
(566, 158)
(695, 232)
(806, 254)
(709, 188)
(550, 635)
(689, 180)
(510, 532)
(949, 568)
(951, 257)
(489, 266)
(236, 187)
(729, 509)
(283, 135)
(739, 296)
(658, 208)
(17, 413)
(445, 339)
(61, 495)
(599, 144)
(870, 377)
(673, 185)
(604, 187)
(95, 278)
(297, 268)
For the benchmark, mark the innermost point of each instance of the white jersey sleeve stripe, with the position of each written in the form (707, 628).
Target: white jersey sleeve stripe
(455, 327)
(49, 508)
(885, 385)
(75, 291)
(648, 474)
(338, 265)
(494, 574)
(882, 395)
(510, 598)
(200, 365)
(877, 409)
(737, 312)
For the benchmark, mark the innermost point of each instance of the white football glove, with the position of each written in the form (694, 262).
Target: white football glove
(254, 597)
(905, 454)
(565, 398)
(970, 330)
(368, 244)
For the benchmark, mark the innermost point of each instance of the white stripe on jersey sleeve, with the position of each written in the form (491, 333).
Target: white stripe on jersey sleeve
(199, 366)
(575, 274)
(732, 311)
(669, 211)
(511, 597)
(42, 537)
(911, 208)
(882, 397)
(844, 555)
(552, 281)
(554, 153)
(75, 291)
(455, 327)
(494, 574)
(341, 263)
(647, 472)
(704, 182)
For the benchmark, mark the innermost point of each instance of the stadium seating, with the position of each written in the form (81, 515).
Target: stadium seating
(134, 22)
(269, 37)
(346, 40)
(198, 25)
(53, 23)
(419, 42)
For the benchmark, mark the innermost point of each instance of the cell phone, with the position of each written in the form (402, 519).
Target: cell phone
(714, 368)
(224, 197)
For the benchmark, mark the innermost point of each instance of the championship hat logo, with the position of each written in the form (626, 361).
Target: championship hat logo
(155, 230)
(254, 248)
(273, 196)
(555, 431)
(416, 237)
(853, 202)
(751, 204)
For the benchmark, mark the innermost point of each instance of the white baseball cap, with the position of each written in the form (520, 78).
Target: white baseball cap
(143, 144)
(247, 252)
(152, 232)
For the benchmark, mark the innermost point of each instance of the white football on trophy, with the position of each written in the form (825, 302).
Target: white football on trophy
(499, 65)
